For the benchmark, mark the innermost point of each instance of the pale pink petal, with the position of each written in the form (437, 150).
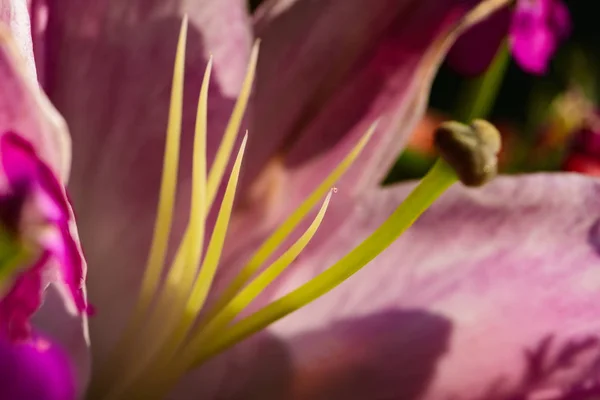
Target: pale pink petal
(34, 208)
(15, 16)
(492, 294)
(25, 109)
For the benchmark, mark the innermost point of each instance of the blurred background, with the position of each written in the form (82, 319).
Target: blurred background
(547, 120)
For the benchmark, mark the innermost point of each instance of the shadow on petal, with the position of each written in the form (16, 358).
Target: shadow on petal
(567, 370)
(594, 236)
(258, 368)
(388, 355)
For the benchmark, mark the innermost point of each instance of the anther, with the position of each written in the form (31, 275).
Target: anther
(472, 150)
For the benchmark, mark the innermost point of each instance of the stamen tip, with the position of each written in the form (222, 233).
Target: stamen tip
(472, 150)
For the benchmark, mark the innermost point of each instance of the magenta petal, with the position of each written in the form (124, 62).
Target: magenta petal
(534, 49)
(40, 216)
(536, 30)
(47, 205)
(36, 369)
(510, 273)
(33, 206)
(24, 299)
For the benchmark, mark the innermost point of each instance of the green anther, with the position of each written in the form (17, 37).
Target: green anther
(472, 150)
(439, 178)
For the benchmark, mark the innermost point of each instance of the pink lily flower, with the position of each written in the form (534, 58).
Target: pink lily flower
(534, 30)
(491, 294)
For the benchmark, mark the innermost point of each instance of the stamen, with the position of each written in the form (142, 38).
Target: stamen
(471, 150)
(182, 276)
(439, 178)
(223, 153)
(199, 292)
(215, 246)
(250, 292)
(479, 145)
(177, 366)
(158, 347)
(283, 231)
(170, 305)
(184, 269)
(168, 185)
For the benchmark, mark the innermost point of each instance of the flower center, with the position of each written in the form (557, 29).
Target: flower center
(165, 338)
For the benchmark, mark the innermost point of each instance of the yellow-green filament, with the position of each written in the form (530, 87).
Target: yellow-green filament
(215, 246)
(164, 341)
(170, 304)
(439, 178)
(223, 153)
(250, 292)
(205, 277)
(183, 294)
(162, 228)
(283, 231)
(199, 207)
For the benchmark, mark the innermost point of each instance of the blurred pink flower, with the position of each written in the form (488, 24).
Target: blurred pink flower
(535, 28)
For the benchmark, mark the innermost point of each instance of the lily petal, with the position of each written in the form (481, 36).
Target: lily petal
(37, 212)
(40, 157)
(329, 69)
(42, 217)
(109, 71)
(14, 14)
(25, 109)
(492, 294)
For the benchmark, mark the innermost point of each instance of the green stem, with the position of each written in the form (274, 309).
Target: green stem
(479, 96)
